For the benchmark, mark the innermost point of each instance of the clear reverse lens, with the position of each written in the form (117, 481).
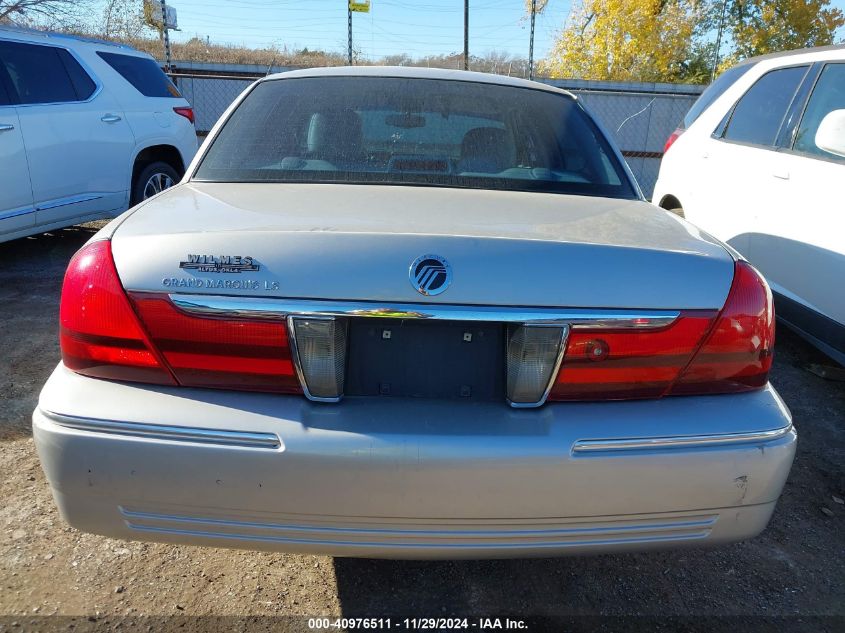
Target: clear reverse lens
(534, 354)
(320, 347)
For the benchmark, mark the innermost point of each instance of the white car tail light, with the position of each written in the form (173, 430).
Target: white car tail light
(188, 113)
(672, 138)
(319, 351)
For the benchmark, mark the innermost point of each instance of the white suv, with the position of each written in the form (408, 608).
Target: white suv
(759, 162)
(87, 128)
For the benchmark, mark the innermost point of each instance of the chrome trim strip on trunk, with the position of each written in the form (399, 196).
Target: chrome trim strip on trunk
(681, 441)
(241, 439)
(279, 309)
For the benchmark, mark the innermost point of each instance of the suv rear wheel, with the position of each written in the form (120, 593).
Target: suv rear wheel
(673, 205)
(154, 178)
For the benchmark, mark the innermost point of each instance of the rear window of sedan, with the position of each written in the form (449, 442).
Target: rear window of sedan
(432, 132)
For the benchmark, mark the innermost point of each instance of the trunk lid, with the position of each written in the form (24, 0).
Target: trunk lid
(357, 242)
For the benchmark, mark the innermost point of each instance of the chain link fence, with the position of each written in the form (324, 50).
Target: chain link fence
(640, 123)
(640, 117)
(210, 95)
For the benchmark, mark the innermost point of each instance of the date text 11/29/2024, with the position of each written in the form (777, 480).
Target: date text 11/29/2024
(417, 624)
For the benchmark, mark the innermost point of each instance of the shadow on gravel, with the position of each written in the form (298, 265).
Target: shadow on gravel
(666, 584)
(31, 272)
(42, 250)
(789, 570)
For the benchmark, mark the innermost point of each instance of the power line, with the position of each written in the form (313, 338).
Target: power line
(434, 29)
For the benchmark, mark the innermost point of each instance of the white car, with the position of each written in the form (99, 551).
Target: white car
(412, 313)
(759, 162)
(87, 128)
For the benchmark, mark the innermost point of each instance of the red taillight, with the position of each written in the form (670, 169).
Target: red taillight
(99, 333)
(221, 353)
(700, 353)
(672, 138)
(102, 336)
(146, 338)
(737, 355)
(620, 364)
(188, 113)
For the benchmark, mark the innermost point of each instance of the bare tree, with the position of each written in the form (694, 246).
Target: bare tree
(122, 19)
(41, 12)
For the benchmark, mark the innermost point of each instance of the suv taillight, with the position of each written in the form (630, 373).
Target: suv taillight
(188, 113)
(147, 339)
(672, 138)
(700, 353)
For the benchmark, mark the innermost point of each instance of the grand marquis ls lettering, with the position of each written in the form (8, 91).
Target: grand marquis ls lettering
(569, 370)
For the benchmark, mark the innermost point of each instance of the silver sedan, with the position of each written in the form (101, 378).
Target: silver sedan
(415, 314)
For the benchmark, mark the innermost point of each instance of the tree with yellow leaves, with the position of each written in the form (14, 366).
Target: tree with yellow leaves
(671, 40)
(766, 26)
(629, 40)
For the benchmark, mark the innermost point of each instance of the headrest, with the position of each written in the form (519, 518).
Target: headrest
(487, 149)
(334, 134)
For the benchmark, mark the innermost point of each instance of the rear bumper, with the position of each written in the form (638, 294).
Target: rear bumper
(410, 479)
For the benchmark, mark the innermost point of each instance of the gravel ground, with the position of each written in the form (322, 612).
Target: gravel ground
(795, 568)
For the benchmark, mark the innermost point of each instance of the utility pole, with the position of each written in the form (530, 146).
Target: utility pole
(349, 24)
(718, 41)
(466, 34)
(357, 6)
(531, 41)
(166, 36)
